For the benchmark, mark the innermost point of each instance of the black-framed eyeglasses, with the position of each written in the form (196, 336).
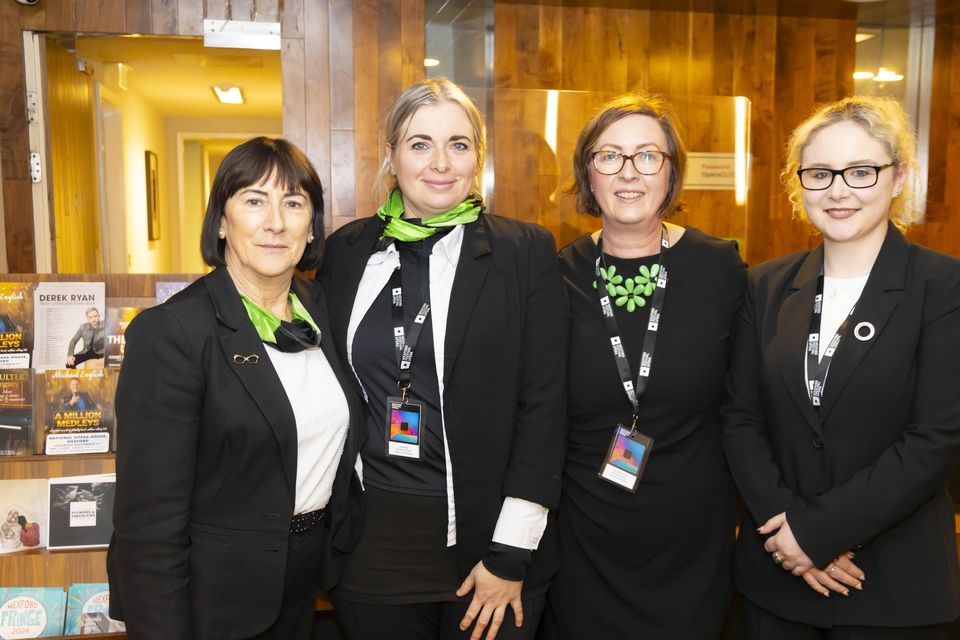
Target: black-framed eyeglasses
(858, 177)
(648, 162)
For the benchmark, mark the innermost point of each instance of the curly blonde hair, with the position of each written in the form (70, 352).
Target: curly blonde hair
(884, 120)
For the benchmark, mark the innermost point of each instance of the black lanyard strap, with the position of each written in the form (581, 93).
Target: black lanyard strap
(634, 390)
(817, 367)
(403, 345)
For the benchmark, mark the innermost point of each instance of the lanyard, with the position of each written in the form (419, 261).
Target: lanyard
(404, 346)
(817, 368)
(633, 390)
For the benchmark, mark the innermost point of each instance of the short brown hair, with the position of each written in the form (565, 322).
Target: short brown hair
(429, 92)
(630, 104)
(884, 120)
(250, 163)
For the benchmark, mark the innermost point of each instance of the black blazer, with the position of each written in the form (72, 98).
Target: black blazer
(206, 469)
(505, 356)
(867, 473)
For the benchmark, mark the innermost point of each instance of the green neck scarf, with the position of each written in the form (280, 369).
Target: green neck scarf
(404, 231)
(266, 323)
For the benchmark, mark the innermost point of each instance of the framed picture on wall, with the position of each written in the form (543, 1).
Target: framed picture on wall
(153, 196)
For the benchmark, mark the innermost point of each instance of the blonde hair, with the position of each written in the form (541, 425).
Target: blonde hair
(630, 104)
(884, 120)
(429, 92)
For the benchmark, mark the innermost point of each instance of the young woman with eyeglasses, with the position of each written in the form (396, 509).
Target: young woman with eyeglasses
(646, 528)
(850, 528)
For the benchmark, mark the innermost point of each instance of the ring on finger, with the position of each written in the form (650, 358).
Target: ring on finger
(777, 558)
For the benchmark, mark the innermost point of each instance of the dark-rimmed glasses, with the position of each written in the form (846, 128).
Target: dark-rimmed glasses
(861, 176)
(647, 162)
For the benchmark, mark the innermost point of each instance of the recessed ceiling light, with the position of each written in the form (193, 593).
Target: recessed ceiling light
(862, 37)
(430, 62)
(228, 94)
(862, 75)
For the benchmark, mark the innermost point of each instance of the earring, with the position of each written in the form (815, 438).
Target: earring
(309, 238)
(222, 234)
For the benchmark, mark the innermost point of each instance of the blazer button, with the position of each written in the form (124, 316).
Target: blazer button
(817, 442)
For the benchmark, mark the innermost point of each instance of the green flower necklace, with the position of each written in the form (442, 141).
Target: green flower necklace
(630, 291)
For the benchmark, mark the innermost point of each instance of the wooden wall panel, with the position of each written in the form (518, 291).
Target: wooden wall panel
(783, 65)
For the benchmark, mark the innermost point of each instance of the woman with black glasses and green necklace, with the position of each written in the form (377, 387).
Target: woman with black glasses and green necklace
(647, 517)
(455, 323)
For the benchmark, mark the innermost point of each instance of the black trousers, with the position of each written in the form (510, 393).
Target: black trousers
(80, 358)
(304, 555)
(428, 621)
(760, 624)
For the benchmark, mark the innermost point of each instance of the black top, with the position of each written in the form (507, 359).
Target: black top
(655, 563)
(375, 363)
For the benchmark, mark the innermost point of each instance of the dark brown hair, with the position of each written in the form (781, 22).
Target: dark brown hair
(642, 104)
(248, 164)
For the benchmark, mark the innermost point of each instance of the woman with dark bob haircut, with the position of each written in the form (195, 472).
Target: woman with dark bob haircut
(234, 461)
(646, 520)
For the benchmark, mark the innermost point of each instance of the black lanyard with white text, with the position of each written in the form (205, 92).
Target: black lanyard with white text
(633, 390)
(817, 367)
(629, 449)
(403, 344)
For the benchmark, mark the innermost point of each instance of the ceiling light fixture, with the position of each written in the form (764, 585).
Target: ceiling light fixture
(862, 75)
(228, 94)
(430, 62)
(863, 37)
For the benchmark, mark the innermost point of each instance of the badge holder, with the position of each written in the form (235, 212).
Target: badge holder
(404, 426)
(626, 458)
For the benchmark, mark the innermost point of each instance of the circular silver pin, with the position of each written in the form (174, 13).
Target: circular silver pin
(864, 331)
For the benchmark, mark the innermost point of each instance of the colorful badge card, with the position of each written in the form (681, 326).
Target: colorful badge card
(31, 612)
(78, 410)
(81, 510)
(626, 458)
(404, 422)
(16, 324)
(88, 611)
(23, 515)
(16, 412)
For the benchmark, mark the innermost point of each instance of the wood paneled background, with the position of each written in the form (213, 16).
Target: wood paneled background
(344, 62)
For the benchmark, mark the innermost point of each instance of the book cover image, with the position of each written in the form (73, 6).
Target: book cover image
(23, 515)
(118, 317)
(68, 326)
(165, 290)
(88, 610)
(16, 412)
(31, 612)
(16, 324)
(81, 511)
(78, 410)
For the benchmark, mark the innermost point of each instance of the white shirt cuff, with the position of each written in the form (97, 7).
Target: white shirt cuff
(521, 523)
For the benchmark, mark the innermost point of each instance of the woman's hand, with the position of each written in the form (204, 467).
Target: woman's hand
(838, 576)
(491, 595)
(783, 545)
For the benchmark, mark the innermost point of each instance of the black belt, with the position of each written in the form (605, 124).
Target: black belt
(304, 522)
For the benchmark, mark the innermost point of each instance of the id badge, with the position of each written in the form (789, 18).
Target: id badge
(626, 458)
(404, 425)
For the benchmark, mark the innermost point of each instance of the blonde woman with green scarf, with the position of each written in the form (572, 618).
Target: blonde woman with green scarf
(455, 322)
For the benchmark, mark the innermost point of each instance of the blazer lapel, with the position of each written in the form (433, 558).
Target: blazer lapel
(240, 343)
(347, 271)
(871, 314)
(472, 271)
(793, 326)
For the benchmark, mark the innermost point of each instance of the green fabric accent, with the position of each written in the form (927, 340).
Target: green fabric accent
(266, 323)
(404, 231)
